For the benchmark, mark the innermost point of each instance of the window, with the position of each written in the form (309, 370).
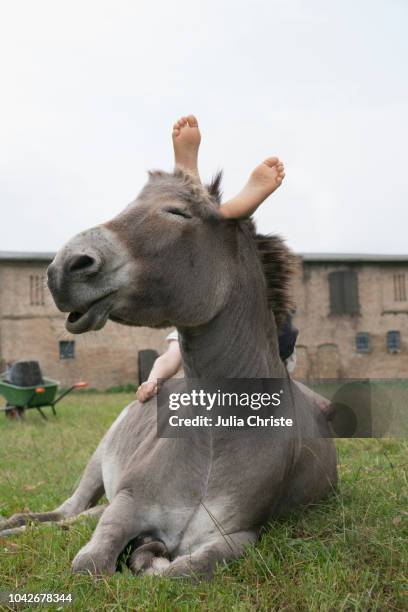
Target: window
(400, 292)
(393, 341)
(344, 292)
(67, 349)
(363, 342)
(36, 290)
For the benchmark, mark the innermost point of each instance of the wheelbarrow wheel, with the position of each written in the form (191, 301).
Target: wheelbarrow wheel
(14, 413)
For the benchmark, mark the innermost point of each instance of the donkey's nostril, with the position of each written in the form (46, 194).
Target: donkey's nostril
(82, 263)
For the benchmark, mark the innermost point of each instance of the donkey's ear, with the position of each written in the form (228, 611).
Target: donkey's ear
(156, 173)
(214, 188)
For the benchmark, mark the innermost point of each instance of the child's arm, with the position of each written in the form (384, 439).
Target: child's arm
(168, 364)
(165, 366)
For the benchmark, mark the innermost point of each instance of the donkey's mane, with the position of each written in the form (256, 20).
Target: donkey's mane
(278, 264)
(277, 260)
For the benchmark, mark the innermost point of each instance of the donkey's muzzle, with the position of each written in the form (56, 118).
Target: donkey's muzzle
(85, 277)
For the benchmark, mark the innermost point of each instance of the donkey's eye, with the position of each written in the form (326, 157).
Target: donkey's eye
(179, 212)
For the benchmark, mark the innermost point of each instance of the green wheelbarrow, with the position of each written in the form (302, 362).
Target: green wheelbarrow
(19, 399)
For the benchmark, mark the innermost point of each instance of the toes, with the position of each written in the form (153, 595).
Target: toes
(271, 161)
(281, 170)
(176, 129)
(180, 123)
(192, 121)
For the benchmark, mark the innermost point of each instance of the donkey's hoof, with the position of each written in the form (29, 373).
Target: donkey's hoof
(157, 567)
(92, 564)
(17, 520)
(146, 555)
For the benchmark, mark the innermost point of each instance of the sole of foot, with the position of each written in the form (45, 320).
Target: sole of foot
(186, 141)
(268, 175)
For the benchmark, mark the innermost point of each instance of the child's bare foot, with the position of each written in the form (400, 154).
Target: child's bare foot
(186, 140)
(263, 181)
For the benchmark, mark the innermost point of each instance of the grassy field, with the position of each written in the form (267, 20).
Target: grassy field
(347, 553)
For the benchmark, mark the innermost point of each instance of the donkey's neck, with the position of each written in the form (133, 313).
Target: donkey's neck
(240, 342)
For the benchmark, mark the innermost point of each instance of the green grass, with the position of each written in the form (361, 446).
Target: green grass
(347, 553)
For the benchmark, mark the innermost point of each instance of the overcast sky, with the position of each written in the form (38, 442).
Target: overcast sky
(90, 89)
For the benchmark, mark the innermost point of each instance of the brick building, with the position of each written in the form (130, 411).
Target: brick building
(352, 313)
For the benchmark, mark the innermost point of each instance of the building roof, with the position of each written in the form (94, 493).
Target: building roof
(352, 257)
(26, 256)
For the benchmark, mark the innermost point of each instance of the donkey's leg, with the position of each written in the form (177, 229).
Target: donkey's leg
(202, 562)
(314, 476)
(96, 511)
(88, 492)
(117, 527)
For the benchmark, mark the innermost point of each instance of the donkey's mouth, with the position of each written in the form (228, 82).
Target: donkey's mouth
(92, 319)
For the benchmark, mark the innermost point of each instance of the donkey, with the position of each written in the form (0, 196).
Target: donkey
(171, 259)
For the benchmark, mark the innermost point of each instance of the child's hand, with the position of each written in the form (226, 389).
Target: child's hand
(146, 391)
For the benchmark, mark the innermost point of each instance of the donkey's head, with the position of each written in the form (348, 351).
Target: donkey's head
(168, 259)
(165, 260)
